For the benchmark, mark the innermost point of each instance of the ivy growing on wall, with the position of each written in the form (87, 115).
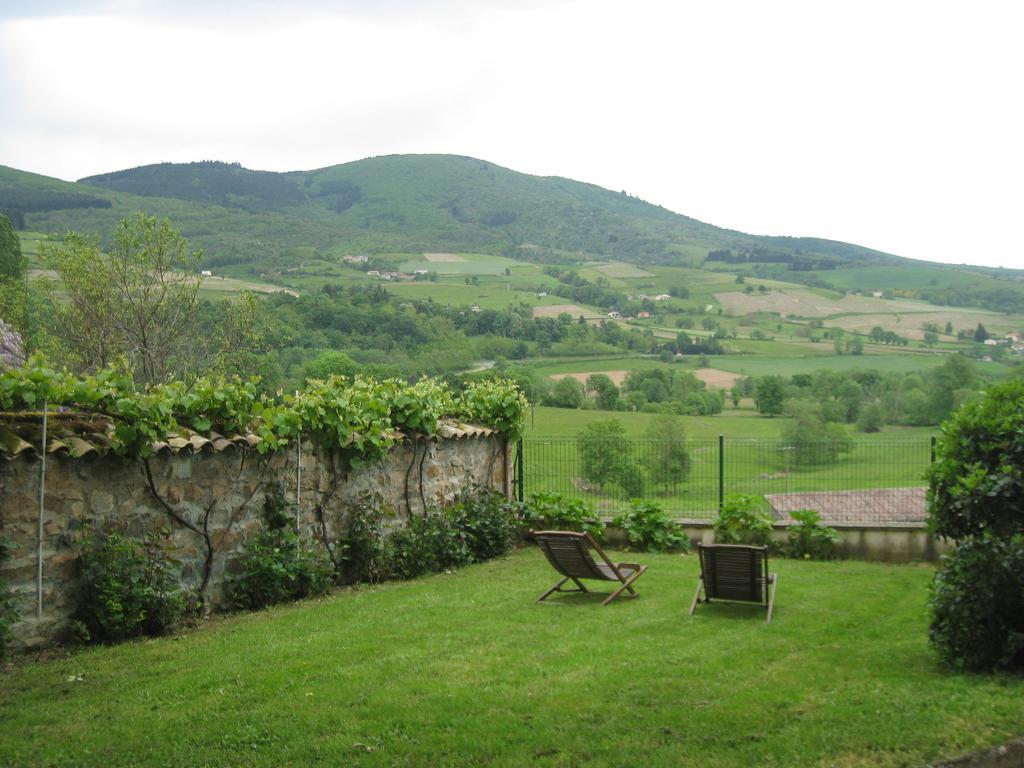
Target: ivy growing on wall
(361, 417)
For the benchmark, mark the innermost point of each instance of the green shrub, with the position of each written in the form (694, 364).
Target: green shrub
(490, 523)
(555, 512)
(976, 484)
(481, 524)
(8, 609)
(276, 567)
(649, 529)
(810, 538)
(128, 589)
(427, 543)
(976, 496)
(365, 552)
(743, 521)
(977, 605)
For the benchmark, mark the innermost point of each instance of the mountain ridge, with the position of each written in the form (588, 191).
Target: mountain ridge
(405, 203)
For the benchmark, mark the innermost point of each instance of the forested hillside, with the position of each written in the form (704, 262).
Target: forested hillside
(398, 203)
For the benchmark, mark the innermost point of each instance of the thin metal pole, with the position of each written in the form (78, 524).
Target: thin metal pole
(721, 472)
(932, 453)
(39, 532)
(519, 467)
(298, 481)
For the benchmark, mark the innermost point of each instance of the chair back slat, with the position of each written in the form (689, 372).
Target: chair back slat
(735, 572)
(569, 554)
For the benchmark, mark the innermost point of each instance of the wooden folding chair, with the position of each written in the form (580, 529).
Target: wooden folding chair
(737, 573)
(570, 554)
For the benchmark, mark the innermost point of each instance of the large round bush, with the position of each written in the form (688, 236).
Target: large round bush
(977, 481)
(976, 497)
(977, 605)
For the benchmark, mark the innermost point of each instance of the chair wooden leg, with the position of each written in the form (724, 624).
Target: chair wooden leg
(558, 588)
(627, 584)
(771, 597)
(544, 597)
(696, 596)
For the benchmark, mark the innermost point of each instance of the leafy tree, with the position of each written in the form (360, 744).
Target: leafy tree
(567, 393)
(931, 338)
(976, 496)
(605, 456)
(770, 395)
(870, 419)
(605, 389)
(330, 363)
(135, 301)
(12, 263)
(980, 334)
(850, 395)
(813, 441)
(669, 459)
(949, 385)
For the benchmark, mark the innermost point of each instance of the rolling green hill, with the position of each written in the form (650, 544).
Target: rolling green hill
(399, 203)
(410, 204)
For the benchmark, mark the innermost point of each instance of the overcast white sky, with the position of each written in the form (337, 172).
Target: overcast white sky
(894, 125)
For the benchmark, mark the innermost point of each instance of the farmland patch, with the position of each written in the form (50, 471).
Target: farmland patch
(621, 270)
(554, 310)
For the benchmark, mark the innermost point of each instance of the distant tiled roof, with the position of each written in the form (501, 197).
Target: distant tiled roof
(77, 436)
(868, 507)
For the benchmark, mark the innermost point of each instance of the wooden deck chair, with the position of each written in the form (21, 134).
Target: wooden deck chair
(570, 554)
(735, 572)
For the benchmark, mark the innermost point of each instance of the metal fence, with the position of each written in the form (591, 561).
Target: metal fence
(875, 480)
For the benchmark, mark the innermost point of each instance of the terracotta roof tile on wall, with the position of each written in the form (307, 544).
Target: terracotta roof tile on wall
(67, 437)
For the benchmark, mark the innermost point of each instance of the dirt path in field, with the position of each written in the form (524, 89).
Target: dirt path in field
(554, 310)
(617, 377)
(715, 378)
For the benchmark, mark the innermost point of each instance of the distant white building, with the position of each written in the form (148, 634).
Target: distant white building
(662, 297)
(421, 272)
(615, 315)
(373, 273)
(206, 273)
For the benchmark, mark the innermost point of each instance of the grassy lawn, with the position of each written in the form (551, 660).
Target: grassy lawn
(466, 669)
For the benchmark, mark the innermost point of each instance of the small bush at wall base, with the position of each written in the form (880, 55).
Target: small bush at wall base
(810, 538)
(743, 521)
(977, 604)
(555, 512)
(490, 523)
(366, 555)
(649, 529)
(128, 589)
(276, 567)
(8, 613)
(481, 524)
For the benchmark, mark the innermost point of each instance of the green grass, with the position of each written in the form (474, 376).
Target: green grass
(754, 464)
(467, 670)
(756, 365)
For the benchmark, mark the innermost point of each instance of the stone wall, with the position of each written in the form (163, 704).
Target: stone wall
(210, 501)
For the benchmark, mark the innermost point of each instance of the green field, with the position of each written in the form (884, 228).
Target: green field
(466, 669)
(754, 461)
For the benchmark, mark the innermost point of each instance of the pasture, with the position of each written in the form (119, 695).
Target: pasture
(466, 669)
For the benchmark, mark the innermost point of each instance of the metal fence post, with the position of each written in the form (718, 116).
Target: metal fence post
(519, 468)
(721, 472)
(42, 508)
(932, 454)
